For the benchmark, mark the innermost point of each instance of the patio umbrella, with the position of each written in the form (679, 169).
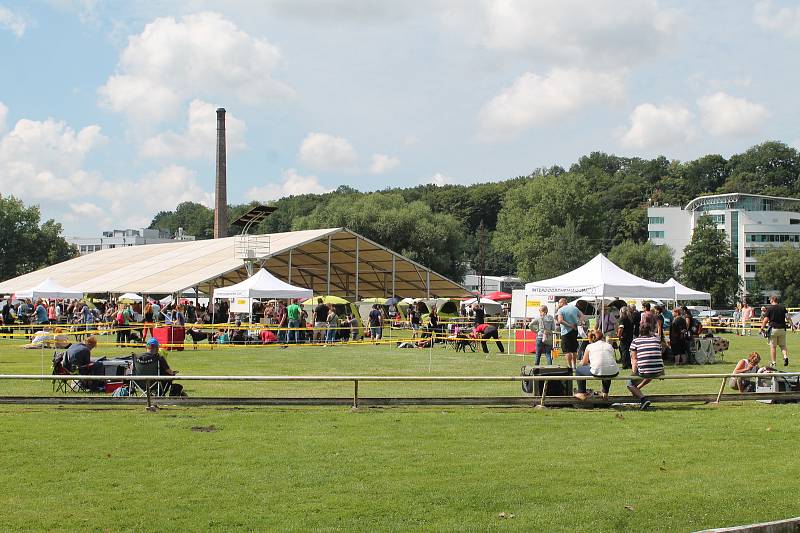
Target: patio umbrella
(330, 300)
(381, 301)
(394, 300)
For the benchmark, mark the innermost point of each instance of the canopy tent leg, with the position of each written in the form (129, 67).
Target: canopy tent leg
(290, 267)
(357, 273)
(394, 292)
(328, 289)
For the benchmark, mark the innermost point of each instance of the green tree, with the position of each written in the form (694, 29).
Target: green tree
(645, 260)
(770, 168)
(411, 229)
(708, 264)
(195, 219)
(26, 246)
(549, 225)
(779, 269)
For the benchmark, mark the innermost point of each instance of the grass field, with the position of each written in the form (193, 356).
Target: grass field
(678, 468)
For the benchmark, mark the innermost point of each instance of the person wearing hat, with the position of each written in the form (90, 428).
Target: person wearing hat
(154, 353)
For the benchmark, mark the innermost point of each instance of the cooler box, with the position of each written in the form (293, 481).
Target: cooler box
(554, 388)
(170, 335)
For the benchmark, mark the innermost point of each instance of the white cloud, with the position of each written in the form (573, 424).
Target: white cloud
(200, 137)
(43, 160)
(3, 116)
(655, 126)
(724, 114)
(382, 163)
(785, 20)
(87, 209)
(13, 22)
(292, 184)
(440, 179)
(134, 202)
(606, 33)
(322, 151)
(533, 99)
(202, 55)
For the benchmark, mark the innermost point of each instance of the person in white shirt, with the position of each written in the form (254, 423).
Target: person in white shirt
(598, 361)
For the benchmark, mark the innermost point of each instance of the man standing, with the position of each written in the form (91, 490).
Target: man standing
(625, 332)
(320, 319)
(479, 315)
(375, 324)
(747, 316)
(569, 317)
(293, 322)
(776, 318)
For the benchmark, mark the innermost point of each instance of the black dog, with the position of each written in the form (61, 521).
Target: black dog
(199, 335)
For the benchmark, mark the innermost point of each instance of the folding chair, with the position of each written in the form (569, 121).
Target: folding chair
(146, 365)
(60, 369)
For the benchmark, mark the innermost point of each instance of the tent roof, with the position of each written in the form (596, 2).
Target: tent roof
(297, 257)
(600, 277)
(262, 284)
(682, 292)
(47, 288)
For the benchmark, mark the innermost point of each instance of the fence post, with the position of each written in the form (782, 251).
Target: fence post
(721, 388)
(355, 394)
(147, 393)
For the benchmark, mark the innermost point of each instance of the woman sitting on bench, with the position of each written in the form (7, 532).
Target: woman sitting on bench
(598, 361)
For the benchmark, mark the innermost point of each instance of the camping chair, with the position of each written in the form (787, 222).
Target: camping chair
(148, 366)
(60, 369)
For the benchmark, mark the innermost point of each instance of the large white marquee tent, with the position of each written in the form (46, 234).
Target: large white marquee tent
(600, 278)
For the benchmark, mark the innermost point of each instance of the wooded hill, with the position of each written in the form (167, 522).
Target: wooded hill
(536, 226)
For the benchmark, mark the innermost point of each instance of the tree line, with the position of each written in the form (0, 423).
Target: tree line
(543, 224)
(535, 226)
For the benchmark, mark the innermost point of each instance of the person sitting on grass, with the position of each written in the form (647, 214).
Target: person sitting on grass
(598, 361)
(748, 365)
(646, 362)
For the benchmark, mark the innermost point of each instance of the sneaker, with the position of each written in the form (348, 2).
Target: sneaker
(785, 361)
(645, 406)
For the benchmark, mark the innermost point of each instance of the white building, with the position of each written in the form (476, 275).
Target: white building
(752, 222)
(126, 237)
(492, 283)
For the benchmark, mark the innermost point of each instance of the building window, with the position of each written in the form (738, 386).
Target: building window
(772, 237)
(656, 234)
(750, 268)
(794, 221)
(749, 284)
(734, 233)
(718, 219)
(655, 220)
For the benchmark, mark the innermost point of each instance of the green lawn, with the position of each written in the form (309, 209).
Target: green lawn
(682, 467)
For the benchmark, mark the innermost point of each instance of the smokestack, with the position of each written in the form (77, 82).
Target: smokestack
(221, 193)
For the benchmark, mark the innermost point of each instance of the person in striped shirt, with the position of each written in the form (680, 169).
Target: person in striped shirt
(646, 362)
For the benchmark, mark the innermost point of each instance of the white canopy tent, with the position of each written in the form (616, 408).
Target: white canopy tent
(129, 297)
(600, 278)
(262, 284)
(682, 292)
(48, 288)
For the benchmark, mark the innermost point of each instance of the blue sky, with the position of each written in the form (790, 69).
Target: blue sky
(107, 108)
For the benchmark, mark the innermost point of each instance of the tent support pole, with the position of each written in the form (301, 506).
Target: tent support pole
(328, 290)
(357, 268)
(428, 284)
(394, 293)
(290, 266)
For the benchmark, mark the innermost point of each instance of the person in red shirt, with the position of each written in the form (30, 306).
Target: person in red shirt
(487, 331)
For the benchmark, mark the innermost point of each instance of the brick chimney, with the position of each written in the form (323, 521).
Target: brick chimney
(221, 191)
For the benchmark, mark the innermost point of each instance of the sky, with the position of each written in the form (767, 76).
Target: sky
(107, 109)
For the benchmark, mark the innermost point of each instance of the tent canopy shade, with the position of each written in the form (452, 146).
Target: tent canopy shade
(46, 288)
(600, 277)
(262, 284)
(358, 267)
(682, 292)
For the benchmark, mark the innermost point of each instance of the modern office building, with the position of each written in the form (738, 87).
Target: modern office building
(752, 222)
(126, 237)
(492, 283)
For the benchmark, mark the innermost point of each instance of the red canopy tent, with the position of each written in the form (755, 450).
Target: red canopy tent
(498, 296)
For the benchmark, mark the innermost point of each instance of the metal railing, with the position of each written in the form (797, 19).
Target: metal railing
(357, 400)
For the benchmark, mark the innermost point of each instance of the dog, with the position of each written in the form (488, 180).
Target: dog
(199, 335)
(463, 342)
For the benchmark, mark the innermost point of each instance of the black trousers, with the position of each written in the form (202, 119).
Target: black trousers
(491, 333)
